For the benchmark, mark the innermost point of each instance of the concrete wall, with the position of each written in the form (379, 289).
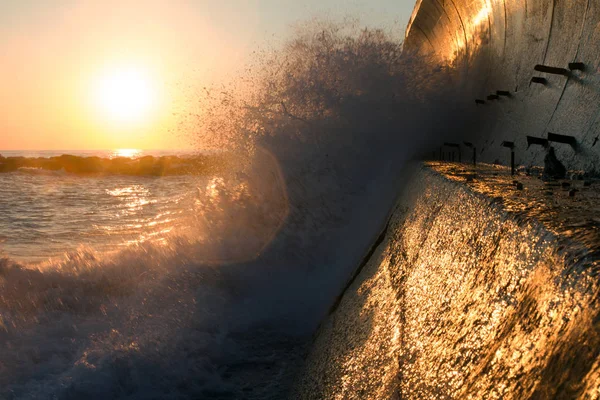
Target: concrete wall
(494, 45)
(460, 300)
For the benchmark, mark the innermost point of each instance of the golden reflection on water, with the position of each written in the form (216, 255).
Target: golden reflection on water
(127, 153)
(135, 215)
(134, 190)
(131, 198)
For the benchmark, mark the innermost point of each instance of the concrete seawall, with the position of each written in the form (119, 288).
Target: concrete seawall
(494, 46)
(485, 285)
(463, 298)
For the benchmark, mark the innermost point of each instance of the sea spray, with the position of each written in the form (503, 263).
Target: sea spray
(336, 112)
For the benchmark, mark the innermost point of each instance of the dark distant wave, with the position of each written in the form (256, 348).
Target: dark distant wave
(147, 165)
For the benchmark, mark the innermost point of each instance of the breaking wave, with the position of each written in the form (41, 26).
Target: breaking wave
(224, 306)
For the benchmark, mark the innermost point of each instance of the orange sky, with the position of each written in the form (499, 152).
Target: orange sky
(53, 54)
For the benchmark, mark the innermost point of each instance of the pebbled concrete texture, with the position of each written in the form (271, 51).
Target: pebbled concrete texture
(494, 45)
(467, 296)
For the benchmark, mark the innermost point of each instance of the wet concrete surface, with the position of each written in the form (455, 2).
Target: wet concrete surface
(569, 208)
(484, 286)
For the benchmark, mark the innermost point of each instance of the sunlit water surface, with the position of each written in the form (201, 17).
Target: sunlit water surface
(44, 215)
(105, 276)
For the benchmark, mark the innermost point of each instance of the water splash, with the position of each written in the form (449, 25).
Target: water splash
(340, 110)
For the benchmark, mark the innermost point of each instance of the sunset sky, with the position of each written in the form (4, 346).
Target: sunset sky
(112, 74)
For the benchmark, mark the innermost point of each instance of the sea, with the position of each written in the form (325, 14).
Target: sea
(128, 274)
(173, 286)
(44, 213)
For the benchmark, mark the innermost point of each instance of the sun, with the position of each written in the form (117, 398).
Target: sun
(125, 95)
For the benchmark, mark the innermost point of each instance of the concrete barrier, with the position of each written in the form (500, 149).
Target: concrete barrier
(498, 44)
(466, 296)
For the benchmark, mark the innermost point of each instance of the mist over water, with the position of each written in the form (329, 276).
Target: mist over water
(223, 305)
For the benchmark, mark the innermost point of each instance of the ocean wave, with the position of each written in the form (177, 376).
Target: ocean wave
(339, 110)
(142, 166)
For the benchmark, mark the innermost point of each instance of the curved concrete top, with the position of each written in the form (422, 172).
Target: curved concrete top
(495, 45)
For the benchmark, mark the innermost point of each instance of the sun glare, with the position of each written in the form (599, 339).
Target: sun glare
(125, 95)
(128, 153)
